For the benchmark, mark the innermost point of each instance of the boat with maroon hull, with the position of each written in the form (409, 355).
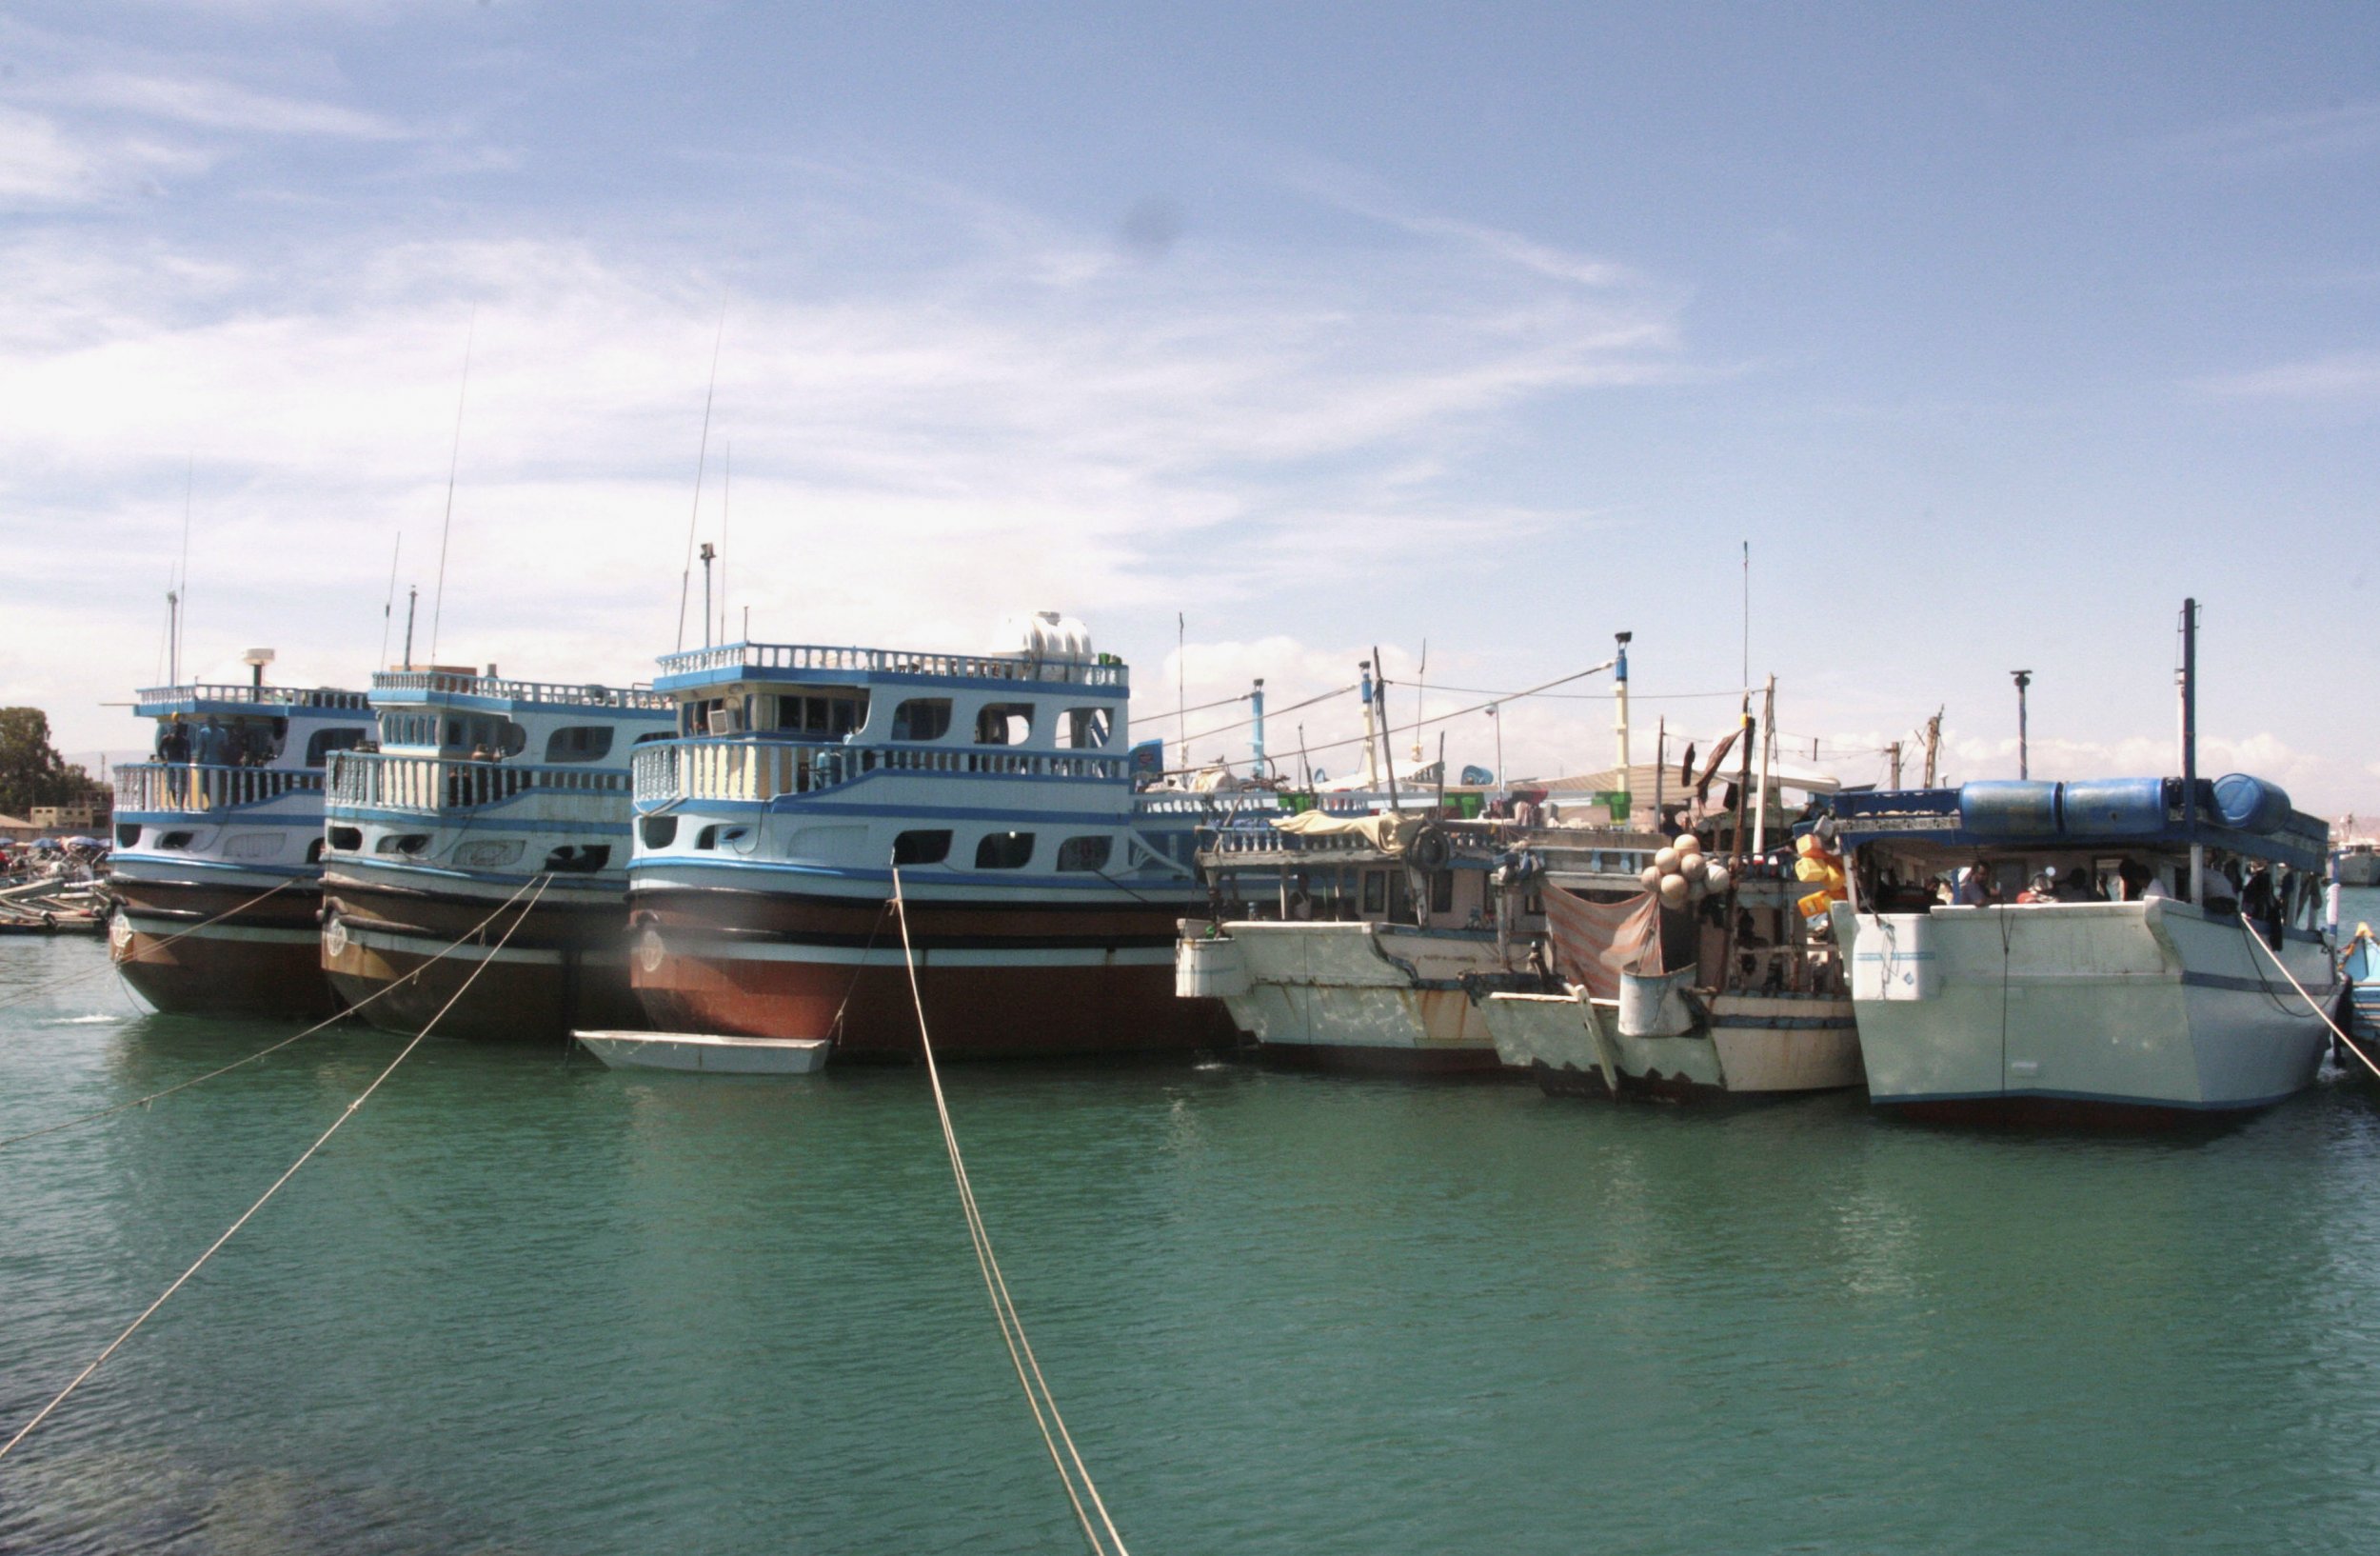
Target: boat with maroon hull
(217, 872)
(486, 792)
(1041, 891)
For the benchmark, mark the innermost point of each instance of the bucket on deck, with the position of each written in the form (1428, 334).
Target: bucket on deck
(1210, 970)
(1653, 1004)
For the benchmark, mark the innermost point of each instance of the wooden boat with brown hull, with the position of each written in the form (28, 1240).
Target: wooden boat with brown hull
(216, 876)
(998, 980)
(522, 972)
(185, 949)
(478, 855)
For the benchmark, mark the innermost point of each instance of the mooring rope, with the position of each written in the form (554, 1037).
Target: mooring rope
(2345, 1041)
(389, 988)
(1036, 1393)
(72, 979)
(246, 1215)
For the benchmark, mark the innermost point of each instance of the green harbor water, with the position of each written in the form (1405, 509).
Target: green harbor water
(523, 1305)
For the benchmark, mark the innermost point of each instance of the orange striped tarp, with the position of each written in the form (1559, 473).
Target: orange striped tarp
(1594, 943)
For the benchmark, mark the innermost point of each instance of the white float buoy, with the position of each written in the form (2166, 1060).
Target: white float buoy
(1688, 843)
(1651, 877)
(1665, 861)
(1673, 891)
(1715, 880)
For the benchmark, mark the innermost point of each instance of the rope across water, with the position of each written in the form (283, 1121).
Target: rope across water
(1037, 1394)
(307, 1155)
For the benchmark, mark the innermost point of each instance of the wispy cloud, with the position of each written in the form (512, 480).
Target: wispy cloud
(2275, 139)
(2343, 375)
(210, 102)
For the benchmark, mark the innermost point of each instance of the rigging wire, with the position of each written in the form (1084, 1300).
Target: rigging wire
(246, 1215)
(389, 988)
(1391, 730)
(42, 991)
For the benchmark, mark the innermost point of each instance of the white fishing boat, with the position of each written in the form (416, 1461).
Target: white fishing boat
(2119, 965)
(484, 792)
(1761, 1012)
(217, 873)
(710, 1053)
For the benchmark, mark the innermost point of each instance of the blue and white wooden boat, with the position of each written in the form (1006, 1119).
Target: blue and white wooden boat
(484, 793)
(2148, 987)
(217, 874)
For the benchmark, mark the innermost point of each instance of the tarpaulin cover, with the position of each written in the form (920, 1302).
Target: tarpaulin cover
(1594, 943)
(1384, 830)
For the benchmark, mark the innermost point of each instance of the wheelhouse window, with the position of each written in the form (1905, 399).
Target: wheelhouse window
(922, 848)
(1085, 728)
(1003, 851)
(822, 716)
(578, 742)
(323, 742)
(1003, 724)
(921, 718)
(1084, 853)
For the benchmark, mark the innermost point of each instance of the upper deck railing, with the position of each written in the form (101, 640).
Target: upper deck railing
(804, 656)
(268, 698)
(426, 785)
(187, 787)
(756, 768)
(393, 686)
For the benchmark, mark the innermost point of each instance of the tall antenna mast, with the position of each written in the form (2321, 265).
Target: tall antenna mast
(454, 462)
(701, 455)
(388, 606)
(177, 598)
(727, 481)
(1421, 697)
(1747, 683)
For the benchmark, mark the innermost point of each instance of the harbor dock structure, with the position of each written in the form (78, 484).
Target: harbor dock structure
(2108, 950)
(485, 792)
(217, 869)
(1043, 891)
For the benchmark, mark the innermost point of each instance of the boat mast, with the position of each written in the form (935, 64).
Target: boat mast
(1619, 713)
(2189, 751)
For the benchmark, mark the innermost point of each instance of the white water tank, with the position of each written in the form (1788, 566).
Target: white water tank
(1209, 970)
(1048, 637)
(1893, 958)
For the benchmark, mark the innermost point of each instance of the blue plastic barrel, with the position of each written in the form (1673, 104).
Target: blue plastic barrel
(2114, 808)
(2251, 804)
(1999, 808)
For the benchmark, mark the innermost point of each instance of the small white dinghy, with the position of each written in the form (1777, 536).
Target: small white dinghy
(708, 1053)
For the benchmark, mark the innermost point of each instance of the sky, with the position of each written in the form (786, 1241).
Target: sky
(1278, 332)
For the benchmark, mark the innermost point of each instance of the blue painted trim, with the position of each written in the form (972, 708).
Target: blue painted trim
(754, 675)
(2107, 1099)
(235, 817)
(613, 877)
(488, 819)
(918, 874)
(229, 866)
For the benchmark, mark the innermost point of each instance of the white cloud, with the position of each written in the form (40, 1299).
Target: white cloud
(914, 453)
(209, 103)
(2344, 375)
(2273, 139)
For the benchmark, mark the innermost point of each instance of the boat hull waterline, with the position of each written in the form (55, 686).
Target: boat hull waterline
(192, 948)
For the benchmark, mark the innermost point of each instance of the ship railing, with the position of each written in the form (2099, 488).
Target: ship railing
(426, 785)
(757, 768)
(810, 656)
(395, 686)
(194, 786)
(270, 697)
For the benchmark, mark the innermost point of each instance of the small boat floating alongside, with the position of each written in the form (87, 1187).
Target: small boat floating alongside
(710, 1053)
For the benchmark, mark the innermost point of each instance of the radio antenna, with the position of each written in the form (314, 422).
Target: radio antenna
(685, 575)
(454, 462)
